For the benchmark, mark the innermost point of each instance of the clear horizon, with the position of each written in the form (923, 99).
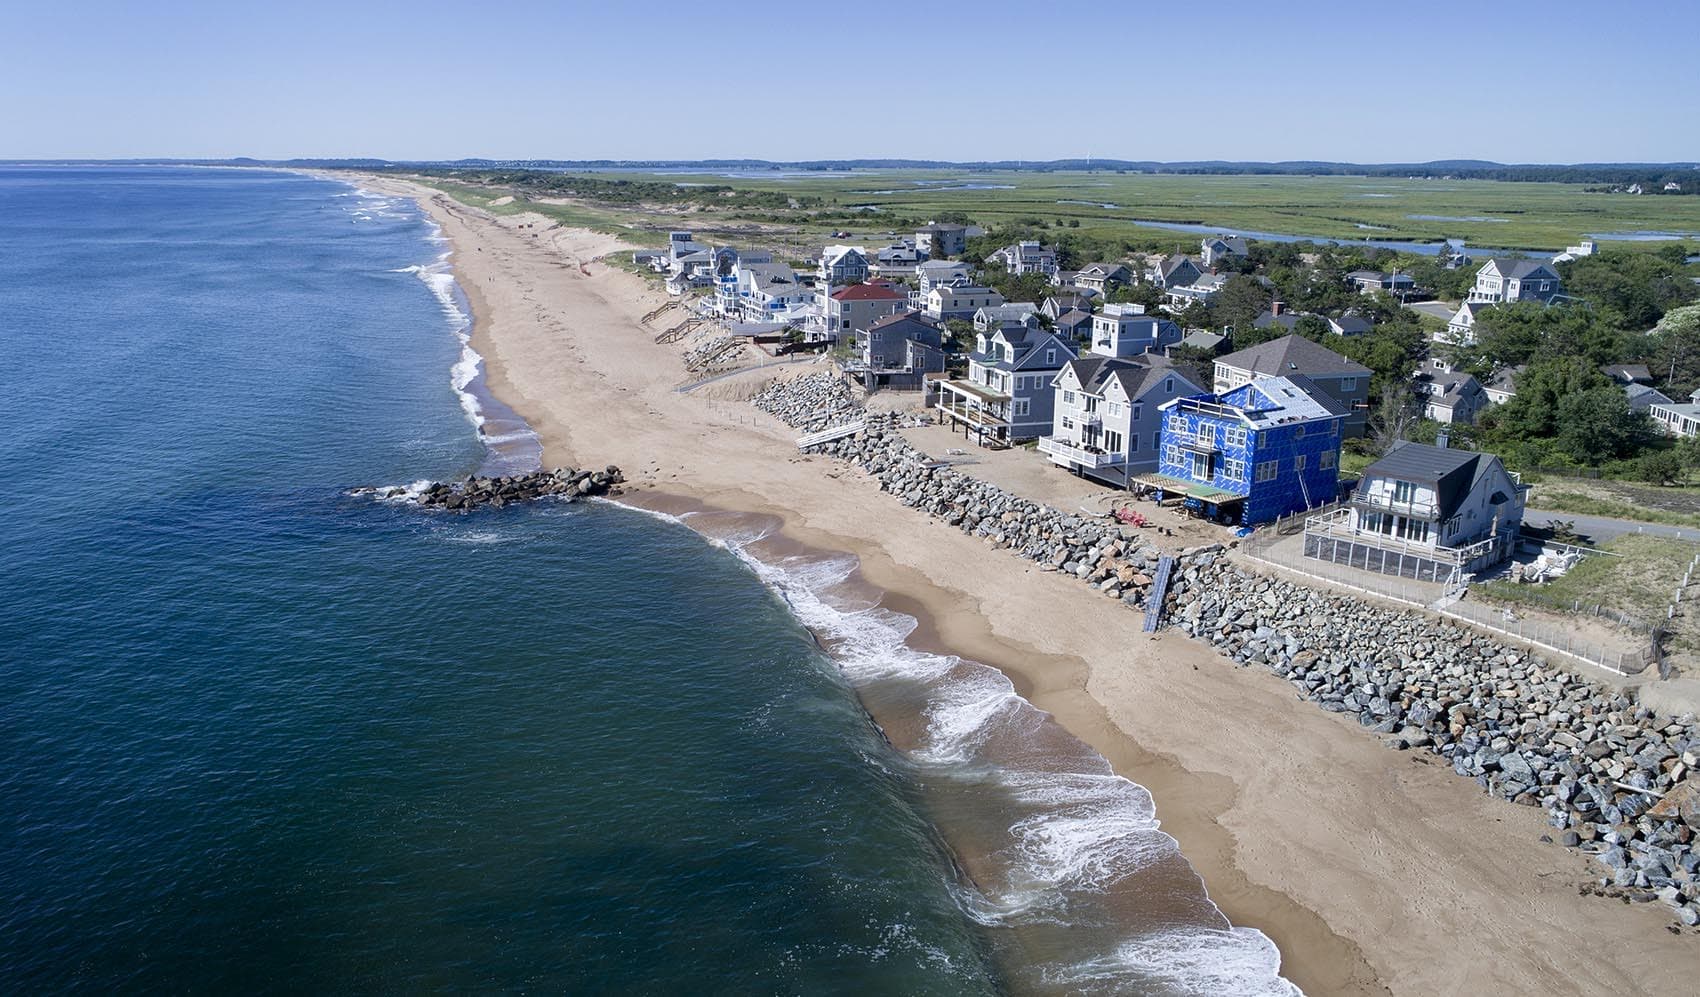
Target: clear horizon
(959, 82)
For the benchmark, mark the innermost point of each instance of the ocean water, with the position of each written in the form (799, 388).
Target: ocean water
(256, 734)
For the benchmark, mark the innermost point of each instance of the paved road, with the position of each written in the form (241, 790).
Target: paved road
(1438, 309)
(1600, 529)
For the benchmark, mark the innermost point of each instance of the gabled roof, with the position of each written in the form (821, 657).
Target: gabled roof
(1203, 340)
(1142, 374)
(1271, 401)
(1293, 355)
(1638, 392)
(1469, 310)
(1074, 316)
(869, 292)
(1285, 320)
(1352, 325)
(1451, 473)
(1229, 243)
(1627, 371)
(1173, 263)
(1519, 269)
(1102, 270)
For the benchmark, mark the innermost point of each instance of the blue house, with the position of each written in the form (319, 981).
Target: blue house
(1253, 454)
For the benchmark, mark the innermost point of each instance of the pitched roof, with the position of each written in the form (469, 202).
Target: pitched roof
(1293, 355)
(1518, 269)
(1452, 473)
(868, 292)
(1074, 316)
(1275, 400)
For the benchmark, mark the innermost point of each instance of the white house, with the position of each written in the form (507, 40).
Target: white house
(1024, 258)
(1461, 330)
(1502, 280)
(1502, 386)
(950, 301)
(1676, 419)
(1576, 252)
(1423, 512)
(1107, 424)
(1220, 248)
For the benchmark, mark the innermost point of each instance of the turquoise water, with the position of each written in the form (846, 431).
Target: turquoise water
(259, 735)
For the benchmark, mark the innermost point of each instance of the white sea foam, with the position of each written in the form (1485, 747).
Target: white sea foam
(1082, 830)
(1231, 962)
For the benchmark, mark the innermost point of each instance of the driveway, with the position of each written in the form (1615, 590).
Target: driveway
(1599, 529)
(1435, 309)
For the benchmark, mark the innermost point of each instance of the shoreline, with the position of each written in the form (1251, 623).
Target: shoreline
(1299, 824)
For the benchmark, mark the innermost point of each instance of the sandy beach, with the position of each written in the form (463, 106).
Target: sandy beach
(1373, 871)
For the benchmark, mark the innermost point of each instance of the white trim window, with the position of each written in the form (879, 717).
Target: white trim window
(1299, 462)
(1019, 408)
(1268, 469)
(1326, 461)
(1235, 436)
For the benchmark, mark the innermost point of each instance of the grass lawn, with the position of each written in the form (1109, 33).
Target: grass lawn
(1638, 583)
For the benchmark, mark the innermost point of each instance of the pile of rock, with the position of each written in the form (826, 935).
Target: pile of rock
(810, 402)
(565, 483)
(1613, 778)
(1114, 559)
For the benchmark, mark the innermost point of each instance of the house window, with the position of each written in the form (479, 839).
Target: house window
(1156, 439)
(1091, 403)
(1168, 385)
(1299, 462)
(1136, 413)
(1068, 398)
(1351, 383)
(1404, 491)
(1266, 470)
(1177, 423)
(1327, 460)
(1262, 439)
(1234, 469)
(1020, 407)
(1067, 423)
(1112, 441)
(1133, 443)
(1050, 358)
(1235, 436)
(1299, 432)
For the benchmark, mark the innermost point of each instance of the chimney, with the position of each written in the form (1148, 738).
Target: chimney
(1277, 307)
(1442, 438)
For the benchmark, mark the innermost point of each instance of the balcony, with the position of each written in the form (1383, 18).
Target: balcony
(1198, 442)
(1384, 501)
(1079, 454)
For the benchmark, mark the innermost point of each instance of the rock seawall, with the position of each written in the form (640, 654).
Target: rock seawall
(563, 484)
(1614, 779)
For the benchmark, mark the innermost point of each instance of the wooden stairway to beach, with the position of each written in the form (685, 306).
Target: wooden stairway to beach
(1159, 592)
(829, 434)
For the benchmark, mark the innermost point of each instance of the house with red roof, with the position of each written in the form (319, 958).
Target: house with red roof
(861, 305)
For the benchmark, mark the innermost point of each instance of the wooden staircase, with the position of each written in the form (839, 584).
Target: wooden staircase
(1159, 592)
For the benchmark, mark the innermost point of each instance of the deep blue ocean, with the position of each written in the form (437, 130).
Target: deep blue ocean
(257, 735)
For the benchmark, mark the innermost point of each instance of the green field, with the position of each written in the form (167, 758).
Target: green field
(1544, 216)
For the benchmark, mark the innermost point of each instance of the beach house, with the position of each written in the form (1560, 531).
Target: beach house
(1126, 331)
(1424, 512)
(941, 240)
(1008, 395)
(843, 265)
(860, 305)
(1219, 249)
(1174, 271)
(1250, 455)
(941, 273)
(958, 301)
(1346, 381)
(1503, 280)
(1449, 396)
(1680, 419)
(896, 351)
(1007, 315)
(1025, 257)
(1107, 420)
(1461, 329)
(1102, 278)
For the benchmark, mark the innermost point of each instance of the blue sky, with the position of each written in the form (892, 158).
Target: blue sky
(1556, 81)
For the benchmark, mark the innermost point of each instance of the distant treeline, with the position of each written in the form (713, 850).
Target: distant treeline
(1652, 176)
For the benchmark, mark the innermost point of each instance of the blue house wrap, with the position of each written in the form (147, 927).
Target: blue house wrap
(1254, 454)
